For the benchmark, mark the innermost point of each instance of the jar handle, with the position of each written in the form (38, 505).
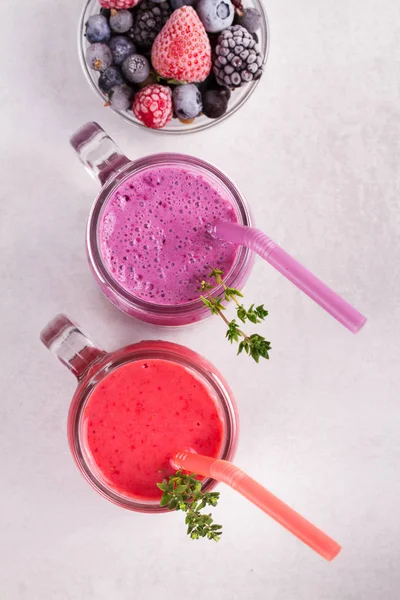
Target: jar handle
(100, 155)
(65, 340)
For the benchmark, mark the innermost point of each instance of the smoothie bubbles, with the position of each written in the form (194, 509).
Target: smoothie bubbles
(148, 237)
(160, 225)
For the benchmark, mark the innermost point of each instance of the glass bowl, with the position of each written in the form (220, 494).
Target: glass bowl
(238, 98)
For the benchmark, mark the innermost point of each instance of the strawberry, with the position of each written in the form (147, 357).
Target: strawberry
(153, 106)
(182, 50)
(118, 3)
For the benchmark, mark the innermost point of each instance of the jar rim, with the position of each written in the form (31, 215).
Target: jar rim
(148, 350)
(243, 261)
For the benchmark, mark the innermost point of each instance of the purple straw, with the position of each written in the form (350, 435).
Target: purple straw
(256, 240)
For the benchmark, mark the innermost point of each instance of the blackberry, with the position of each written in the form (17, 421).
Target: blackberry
(237, 58)
(149, 19)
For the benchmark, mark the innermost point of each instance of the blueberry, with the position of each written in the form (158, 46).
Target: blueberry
(120, 97)
(109, 78)
(215, 15)
(121, 20)
(97, 29)
(98, 57)
(250, 20)
(186, 100)
(121, 47)
(179, 3)
(136, 68)
(215, 102)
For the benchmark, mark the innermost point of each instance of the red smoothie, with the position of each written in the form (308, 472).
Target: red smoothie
(140, 415)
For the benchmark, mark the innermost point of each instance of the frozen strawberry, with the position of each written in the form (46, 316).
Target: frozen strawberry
(153, 106)
(182, 49)
(118, 3)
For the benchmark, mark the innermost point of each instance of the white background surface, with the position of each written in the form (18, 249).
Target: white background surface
(316, 151)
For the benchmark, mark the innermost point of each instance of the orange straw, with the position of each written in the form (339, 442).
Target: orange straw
(226, 472)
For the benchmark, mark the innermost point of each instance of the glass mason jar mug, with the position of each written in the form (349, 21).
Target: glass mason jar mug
(132, 404)
(104, 161)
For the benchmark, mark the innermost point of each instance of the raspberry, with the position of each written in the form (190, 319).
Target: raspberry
(182, 49)
(153, 106)
(118, 3)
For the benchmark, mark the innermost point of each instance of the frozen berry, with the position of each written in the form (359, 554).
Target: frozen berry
(215, 15)
(121, 47)
(186, 100)
(98, 57)
(250, 19)
(121, 20)
(97, 29)
(215, 102)
(136, 68)
(153, 106)
(182, 49)
(238, 59)
(119, 3)
(179, 3)
(120, 97)
(150, 18)
(109, 78)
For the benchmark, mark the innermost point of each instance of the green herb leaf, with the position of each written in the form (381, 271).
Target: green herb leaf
(165, 499)
(183, 492)
(233, 332)
(254, 345)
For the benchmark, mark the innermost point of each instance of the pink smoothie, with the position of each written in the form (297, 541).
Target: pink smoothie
(154, 236)
(140, 415)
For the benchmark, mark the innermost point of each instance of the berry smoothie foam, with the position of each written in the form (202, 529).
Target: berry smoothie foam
(140, 415)
(153, 234)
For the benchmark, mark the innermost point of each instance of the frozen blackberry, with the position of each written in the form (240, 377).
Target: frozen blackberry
(150, 18)
(237, 58)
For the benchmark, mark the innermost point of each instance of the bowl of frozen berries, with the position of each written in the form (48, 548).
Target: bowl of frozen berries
(175, 66)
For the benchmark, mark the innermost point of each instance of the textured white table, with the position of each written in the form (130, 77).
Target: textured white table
(316, 151)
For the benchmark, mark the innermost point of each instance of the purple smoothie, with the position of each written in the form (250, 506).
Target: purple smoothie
(154, 236)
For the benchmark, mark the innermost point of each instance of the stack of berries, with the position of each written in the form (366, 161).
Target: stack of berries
(155, 57)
